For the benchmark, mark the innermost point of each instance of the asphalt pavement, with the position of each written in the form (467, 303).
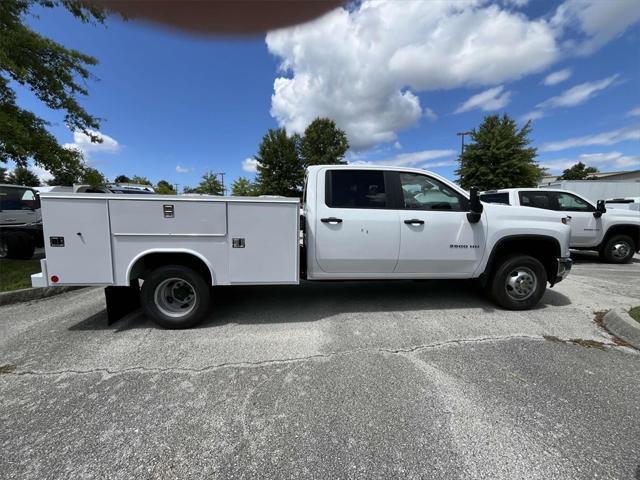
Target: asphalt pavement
(327, 380)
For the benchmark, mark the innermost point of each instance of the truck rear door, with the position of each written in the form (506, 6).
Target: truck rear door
(357, 231)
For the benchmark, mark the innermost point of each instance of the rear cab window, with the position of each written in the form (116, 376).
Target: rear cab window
(355, 189)
(502, 198)
(12, 198)
(537, 199)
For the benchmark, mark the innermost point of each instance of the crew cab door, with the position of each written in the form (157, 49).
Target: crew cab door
(586, 230)
(357, 231)
(436, 238)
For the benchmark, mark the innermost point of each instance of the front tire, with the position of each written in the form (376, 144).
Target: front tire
(618, 249)
(175, 296)
(518, 282)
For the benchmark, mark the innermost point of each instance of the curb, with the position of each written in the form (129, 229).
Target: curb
(27, 294)
(620, 323)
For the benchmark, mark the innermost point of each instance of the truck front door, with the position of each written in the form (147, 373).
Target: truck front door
(586, 230)
(357, 230)
(436, 238)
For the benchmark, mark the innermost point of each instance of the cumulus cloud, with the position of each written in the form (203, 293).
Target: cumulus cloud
(411, 159)
(430, 114)
(83, 143)
(489, 100)
(181, 169)
(605, 138)
(579, 94)
(364, 67)
(532, 115)
(634, 112)
(603, 161)
(250, 165)
(557, 77)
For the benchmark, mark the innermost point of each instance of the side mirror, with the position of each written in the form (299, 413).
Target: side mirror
(475, 206)
(600, 209)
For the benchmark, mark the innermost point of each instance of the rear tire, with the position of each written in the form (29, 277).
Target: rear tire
(518, 283)
(175, 296)
(618, 249)
(16, 245)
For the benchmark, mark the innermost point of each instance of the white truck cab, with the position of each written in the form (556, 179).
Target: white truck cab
(613, 232)
(358, 222)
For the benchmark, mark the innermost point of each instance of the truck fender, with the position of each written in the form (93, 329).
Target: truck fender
(187, 251)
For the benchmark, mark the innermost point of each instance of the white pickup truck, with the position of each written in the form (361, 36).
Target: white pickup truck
(614, 232)
(357, 223)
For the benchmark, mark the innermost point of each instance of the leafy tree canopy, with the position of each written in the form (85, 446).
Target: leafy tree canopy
(164, 188)
(323, 143)
(140, 180)
(23, 176)
(499, 156)
(579, 171)
(122, 179)
(280, 169)
(243, 187)
(55, 74)
(209, 185)
(3, 175)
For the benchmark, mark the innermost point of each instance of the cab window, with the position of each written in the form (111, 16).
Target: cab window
(17, 199)
(571, 203)
(421, 192)
(495, 198)
(536, 199)
(355, 189)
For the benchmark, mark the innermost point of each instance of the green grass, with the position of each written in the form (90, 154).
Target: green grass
(16, 274)
(635, 313)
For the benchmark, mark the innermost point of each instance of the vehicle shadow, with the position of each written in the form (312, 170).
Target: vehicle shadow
(582, 257)
(314, 301)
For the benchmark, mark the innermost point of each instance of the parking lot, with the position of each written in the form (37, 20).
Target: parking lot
(336, 380)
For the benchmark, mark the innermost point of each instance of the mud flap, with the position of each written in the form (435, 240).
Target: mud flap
(121, 301)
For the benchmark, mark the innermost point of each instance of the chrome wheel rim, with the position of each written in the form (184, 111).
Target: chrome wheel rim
(175, 297)
(521, 283)
(620, 250)
(3, 249)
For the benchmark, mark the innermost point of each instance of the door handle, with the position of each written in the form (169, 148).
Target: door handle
(331, 220)
(414, 221)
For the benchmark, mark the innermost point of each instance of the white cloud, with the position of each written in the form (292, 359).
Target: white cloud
(603, 161)
(363, 67)
(397, 145)
(430, 114)
(532, 115)
(516, 3)
(557, 77)
(250, 165)
(597, 22)
(605, 138)
(492, 99)
(579, 94)
(83, 142)
(181, 169)
(634, 112)
(410, 159)
(43, 174)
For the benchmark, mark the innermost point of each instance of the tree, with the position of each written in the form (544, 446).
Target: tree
(140, 180)
(280, 169)
(3, 175)
(164, 188)
(323, 143)
(93, 177)
(23, 176)
(579, 171)
(499, 156)
(122, 179)
(209, 185)
(76, 172)
(56, 75)
(243, 187)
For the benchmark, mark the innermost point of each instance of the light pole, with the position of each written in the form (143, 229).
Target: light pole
(224, 190)
(462, 134)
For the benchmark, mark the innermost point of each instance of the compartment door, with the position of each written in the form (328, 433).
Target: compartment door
(77, 240)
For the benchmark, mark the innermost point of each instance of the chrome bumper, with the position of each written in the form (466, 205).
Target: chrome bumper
(564, 267)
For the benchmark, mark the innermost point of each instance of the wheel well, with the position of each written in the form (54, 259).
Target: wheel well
(151, 261)
(631, 230)
(545, 249)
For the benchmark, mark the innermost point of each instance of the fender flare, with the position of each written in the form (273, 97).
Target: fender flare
(187, 251)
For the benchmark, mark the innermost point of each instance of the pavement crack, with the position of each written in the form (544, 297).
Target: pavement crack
(13, 371)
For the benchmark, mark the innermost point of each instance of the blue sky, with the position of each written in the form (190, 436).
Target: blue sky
(401, 78)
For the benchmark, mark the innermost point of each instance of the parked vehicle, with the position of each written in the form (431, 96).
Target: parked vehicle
(358, 223)
(20, 222)
(614, 233)
(628, 203)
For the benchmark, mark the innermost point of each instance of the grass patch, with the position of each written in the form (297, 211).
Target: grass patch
(16, 274)
(635, 313)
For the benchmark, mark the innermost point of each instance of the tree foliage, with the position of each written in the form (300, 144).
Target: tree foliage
(140, 180)
(23, 176)
(76, 171)
(122, 179)
(579, 171)
(280, 169)
(243, 187)
(209, 185)
(499, 156)
(56, 75)
(323, 143)
(3, 175)
(164, 188)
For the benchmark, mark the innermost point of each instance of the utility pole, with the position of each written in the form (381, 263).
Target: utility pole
(462, 134)
(224, 190)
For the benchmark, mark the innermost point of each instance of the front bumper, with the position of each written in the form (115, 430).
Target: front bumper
(564, 267)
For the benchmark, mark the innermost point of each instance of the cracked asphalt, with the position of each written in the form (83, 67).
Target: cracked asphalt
(334, 380)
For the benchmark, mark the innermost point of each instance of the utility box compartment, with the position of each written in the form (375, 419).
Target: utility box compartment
(263, 242)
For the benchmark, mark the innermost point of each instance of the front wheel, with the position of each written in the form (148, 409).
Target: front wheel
(518, 282)
(175, 296)
(618, 249)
